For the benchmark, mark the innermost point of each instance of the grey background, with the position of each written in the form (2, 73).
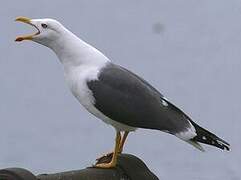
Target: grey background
(189, 50)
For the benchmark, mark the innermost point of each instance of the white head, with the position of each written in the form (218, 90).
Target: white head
(68, 47)
(48, 30)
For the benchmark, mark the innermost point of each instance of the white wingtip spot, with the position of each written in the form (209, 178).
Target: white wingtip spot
(220, 142)
(204, 138)
(164, 103)
(165, 98)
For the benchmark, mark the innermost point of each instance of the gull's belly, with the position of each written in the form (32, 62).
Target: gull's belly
(77, 83)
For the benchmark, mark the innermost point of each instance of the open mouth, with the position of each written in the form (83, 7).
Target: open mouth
(27, 21)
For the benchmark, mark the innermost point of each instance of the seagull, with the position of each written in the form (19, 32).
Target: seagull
(114, 94)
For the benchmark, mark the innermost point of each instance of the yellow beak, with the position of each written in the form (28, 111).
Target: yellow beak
(23, 19)
(27, 21)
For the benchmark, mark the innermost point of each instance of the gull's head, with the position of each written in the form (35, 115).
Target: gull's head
(47, 30)
(67, 46)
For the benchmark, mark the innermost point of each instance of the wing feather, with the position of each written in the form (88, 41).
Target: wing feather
(126, 98)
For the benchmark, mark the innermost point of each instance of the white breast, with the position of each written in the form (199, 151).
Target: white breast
(77, 79)
(82, 63)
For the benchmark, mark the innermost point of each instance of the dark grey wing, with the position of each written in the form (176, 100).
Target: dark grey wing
(128, 99)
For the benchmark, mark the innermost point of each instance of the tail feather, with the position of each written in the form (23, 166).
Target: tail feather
(206, 137)
(196, 145)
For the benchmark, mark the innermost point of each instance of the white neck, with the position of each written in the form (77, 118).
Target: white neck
(72, 51)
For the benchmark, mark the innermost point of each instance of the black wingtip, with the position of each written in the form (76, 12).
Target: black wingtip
(223, 144)
(212, 140)
(206, 137)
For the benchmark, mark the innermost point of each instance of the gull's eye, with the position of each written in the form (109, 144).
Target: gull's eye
(44, 26)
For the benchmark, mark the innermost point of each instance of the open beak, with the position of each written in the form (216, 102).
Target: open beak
(27, 21)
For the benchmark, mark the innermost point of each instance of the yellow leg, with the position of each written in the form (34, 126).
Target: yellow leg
(113, 161)
(123, 139)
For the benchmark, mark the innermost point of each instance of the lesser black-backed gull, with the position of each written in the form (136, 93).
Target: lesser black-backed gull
(114, 94)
